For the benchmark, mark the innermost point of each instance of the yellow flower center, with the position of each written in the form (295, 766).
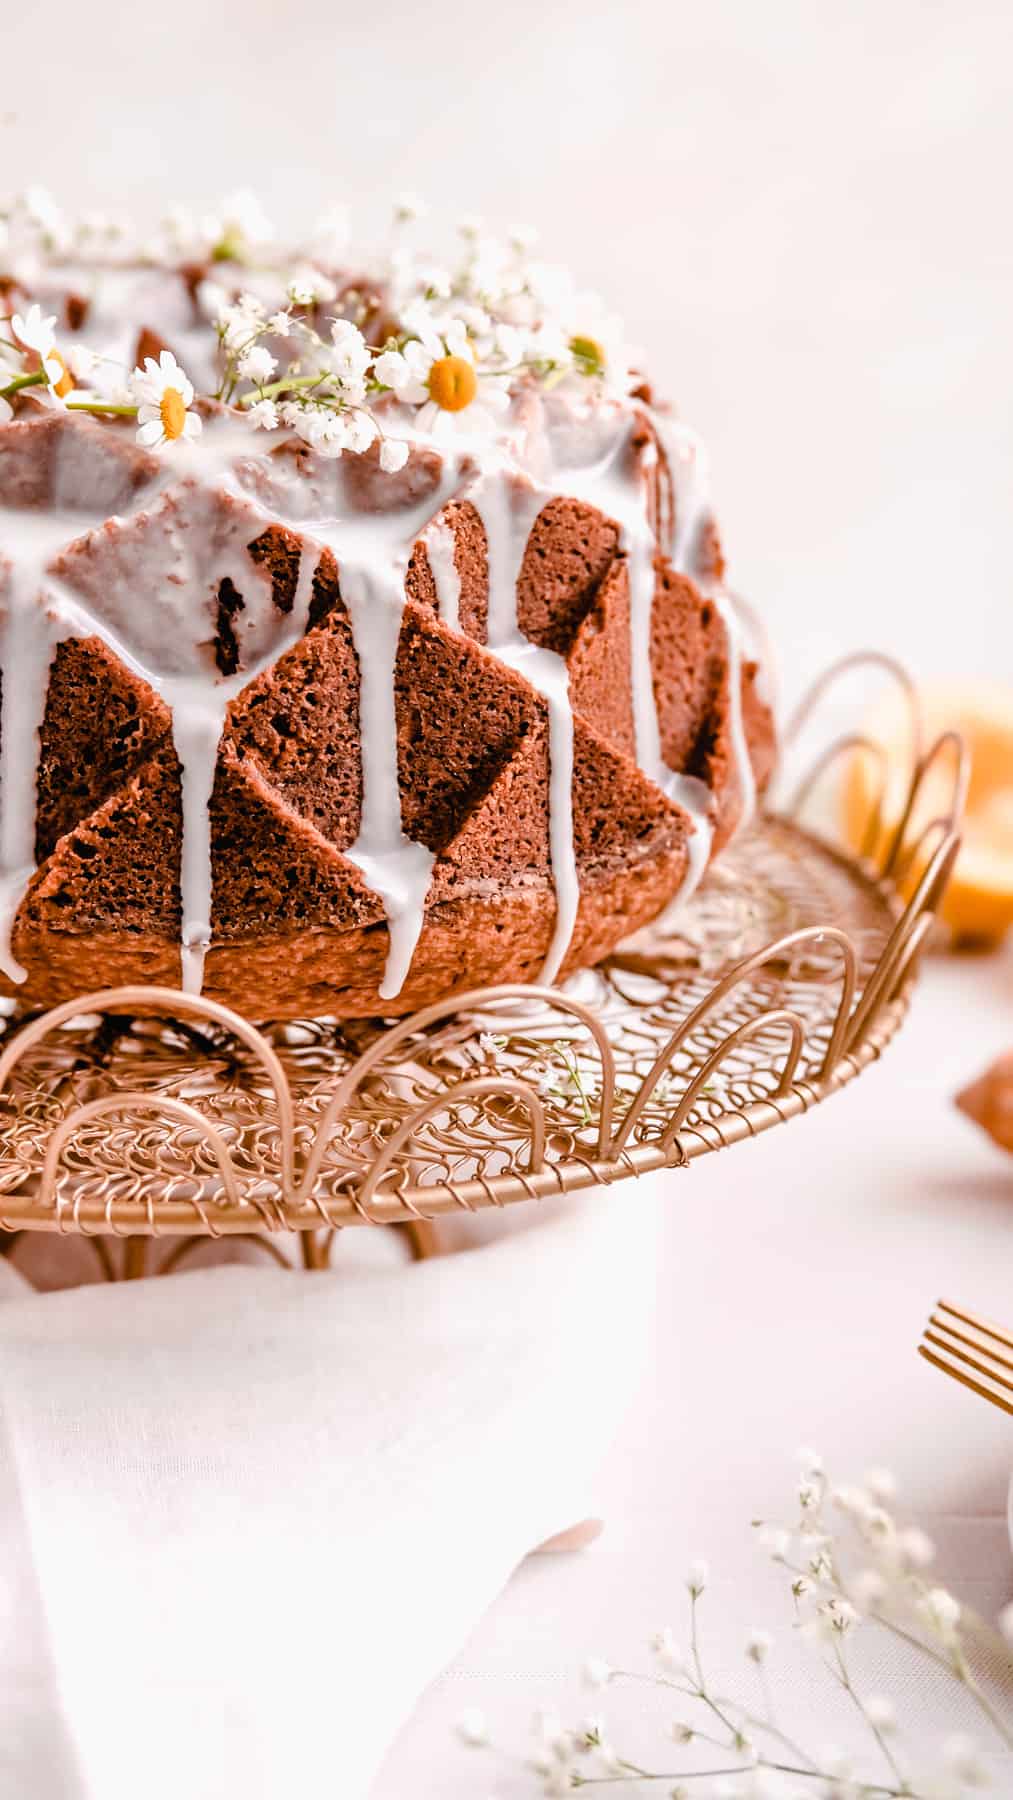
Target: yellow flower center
(173, 413)
(589, 354)
(65, 385)
(453, 383)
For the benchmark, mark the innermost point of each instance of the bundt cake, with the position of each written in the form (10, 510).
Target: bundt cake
(363, 638)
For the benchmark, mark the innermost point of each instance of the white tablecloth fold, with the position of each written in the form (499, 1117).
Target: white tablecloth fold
(247, 1516)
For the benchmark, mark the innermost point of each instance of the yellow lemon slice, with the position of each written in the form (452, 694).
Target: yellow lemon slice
(978, 904)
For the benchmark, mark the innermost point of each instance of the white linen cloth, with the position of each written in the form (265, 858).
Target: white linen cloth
(247, 1515)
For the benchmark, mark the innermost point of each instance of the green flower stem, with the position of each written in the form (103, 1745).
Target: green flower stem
(39, 379)
(100, 406)
(287, 384)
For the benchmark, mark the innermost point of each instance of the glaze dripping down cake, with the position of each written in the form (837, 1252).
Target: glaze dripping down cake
(363, 638)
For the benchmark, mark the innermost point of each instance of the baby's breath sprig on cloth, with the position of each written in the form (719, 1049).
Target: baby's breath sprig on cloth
(851, 1567)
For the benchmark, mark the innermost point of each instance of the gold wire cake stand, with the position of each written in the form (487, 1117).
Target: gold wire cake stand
(142, 1113)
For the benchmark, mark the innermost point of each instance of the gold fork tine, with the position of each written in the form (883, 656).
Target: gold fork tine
(983, 1325)
(949, 1349)
(982, 1368)
(953, 1336)
(965, 1380)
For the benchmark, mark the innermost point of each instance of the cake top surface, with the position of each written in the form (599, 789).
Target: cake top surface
(380, 353)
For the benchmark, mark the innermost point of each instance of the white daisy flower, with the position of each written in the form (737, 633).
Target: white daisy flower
(34, 332)
(163, 394)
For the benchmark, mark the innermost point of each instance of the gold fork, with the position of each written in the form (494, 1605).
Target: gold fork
(957, 1341)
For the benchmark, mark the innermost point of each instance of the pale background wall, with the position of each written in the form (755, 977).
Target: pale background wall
(803, 210)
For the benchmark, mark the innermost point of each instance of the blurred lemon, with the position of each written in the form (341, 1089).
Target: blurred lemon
(978, 904)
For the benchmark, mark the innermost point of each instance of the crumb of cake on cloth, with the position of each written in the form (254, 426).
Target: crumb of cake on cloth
(249, 1515)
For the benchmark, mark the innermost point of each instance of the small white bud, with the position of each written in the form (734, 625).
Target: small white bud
(880, 1713)
(663, 1645)
(596, 1672)
(915, 1549)
(869, 1589)
(964, 1759)
(758, 1645)
(472, 1728)
(697, 1577)
(882, 1485)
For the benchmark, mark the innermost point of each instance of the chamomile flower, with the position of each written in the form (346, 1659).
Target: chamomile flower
(163, 394)
(36, 334)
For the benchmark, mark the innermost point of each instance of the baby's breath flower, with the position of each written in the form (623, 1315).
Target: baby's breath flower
(212, 299)
(880, 1713)
(393, 455)
(472, 1728)
(882, 1485)
(838, 1616)
(810, 1462)
(280, 324)
(758, 1645)
(256, 364)
(522, 238)
(348, 358)
(869, 1589)
(940, 1612)
(774, 1541)
(310, 287)
(697, 1577)
(682, 1734)
(964, 1759)
(914, 1548)
(408, 208)
(263, 415)
(596, 1672)
(820, 1567)
(663, 1646)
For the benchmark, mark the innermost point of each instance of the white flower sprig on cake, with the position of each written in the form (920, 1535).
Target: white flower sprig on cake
(851, 1568)
(458, 343)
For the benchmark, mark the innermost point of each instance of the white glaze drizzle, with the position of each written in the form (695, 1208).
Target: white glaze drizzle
(372, 552)
(508, 505)
(396, 868)
(689, 469)
(439, 542)
(617, 486)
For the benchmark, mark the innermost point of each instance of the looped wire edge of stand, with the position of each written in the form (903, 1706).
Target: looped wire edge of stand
(142, 1112)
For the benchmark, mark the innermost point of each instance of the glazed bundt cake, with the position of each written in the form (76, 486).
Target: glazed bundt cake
(363, 639)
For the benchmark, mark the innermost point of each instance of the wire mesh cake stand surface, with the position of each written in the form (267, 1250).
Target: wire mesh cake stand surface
(144, 1112)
